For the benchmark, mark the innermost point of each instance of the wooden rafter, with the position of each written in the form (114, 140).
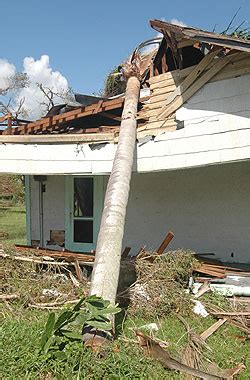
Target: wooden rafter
(192, 84)
(53, 122)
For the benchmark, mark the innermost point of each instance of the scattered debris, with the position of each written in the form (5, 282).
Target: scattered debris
(161, 282)
(200, 309)
(8, 297)
(63, 255)
(165, 243)
(33, 260)
(192, 353)
(150, 327)
(53, 305)
(51, 293)
(203, 289)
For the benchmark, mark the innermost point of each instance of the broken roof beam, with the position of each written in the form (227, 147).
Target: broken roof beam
(54, 121)
(194, 85)
(199, 35)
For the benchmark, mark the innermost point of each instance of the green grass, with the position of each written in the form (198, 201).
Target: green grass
(21, 331)
(12, 222)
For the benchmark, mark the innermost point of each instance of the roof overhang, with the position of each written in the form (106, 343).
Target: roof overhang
(198, 35)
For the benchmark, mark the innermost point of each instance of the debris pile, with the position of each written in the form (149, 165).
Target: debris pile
(161, 283)
(40, 282)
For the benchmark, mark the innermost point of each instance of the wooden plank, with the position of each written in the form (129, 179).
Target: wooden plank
(71, 115)
(125, 252)
(205, 287)
(240, 68)
(34, 260)
(165, 243)
(189, 80)
(98, 107)
(164, 63)
(79, 273)
(155, 131)
(154, 125)
(233, 313)
(207, 333)
(173, 76)
(160, 95)
(182, 98)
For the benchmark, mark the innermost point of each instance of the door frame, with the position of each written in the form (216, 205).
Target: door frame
(69, 212)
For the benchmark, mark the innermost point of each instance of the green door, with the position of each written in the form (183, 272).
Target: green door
(84, 202)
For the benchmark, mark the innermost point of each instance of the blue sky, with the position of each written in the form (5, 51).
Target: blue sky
(86, 39)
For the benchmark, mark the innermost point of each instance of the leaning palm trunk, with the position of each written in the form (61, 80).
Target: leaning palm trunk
(106, 270)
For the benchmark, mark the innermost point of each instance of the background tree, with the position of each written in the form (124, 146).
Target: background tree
(8, 93)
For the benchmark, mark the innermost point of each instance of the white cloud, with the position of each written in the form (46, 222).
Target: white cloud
(6, 71)
(177, 22)
(38, 71)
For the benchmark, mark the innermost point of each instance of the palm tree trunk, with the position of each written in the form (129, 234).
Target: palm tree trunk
(106, 270)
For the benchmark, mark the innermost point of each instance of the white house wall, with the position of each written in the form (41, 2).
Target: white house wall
(216, 129)
(53, 207)
(206, 208)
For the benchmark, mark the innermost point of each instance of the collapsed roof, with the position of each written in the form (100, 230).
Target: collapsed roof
(180, 48)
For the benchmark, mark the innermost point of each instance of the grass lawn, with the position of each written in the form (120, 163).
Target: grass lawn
(20, 359)
(12, 222)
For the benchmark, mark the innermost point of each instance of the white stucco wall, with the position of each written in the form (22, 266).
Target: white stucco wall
(207, 209)
(53, 207)
(216, 130)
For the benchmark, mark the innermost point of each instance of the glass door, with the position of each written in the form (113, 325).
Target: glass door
(84, 201)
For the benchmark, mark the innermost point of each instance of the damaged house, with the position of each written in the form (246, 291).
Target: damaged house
(191, 170)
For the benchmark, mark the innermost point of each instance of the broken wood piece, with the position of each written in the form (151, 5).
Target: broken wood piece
(53, 304)
(34, 260)
(195, 73)
(67, 255)
(141, 252)
(8, 297)
(78, 271)
(218, 65)
(205, 287)
(74, 280)
(231, 314)
(207, 333)
(153, 349)
(125, 252)
(165, 243)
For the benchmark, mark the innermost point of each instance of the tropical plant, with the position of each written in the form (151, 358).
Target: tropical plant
(68, 326)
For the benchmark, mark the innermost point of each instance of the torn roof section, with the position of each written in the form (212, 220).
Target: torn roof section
(181, 48)
(182, 33)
